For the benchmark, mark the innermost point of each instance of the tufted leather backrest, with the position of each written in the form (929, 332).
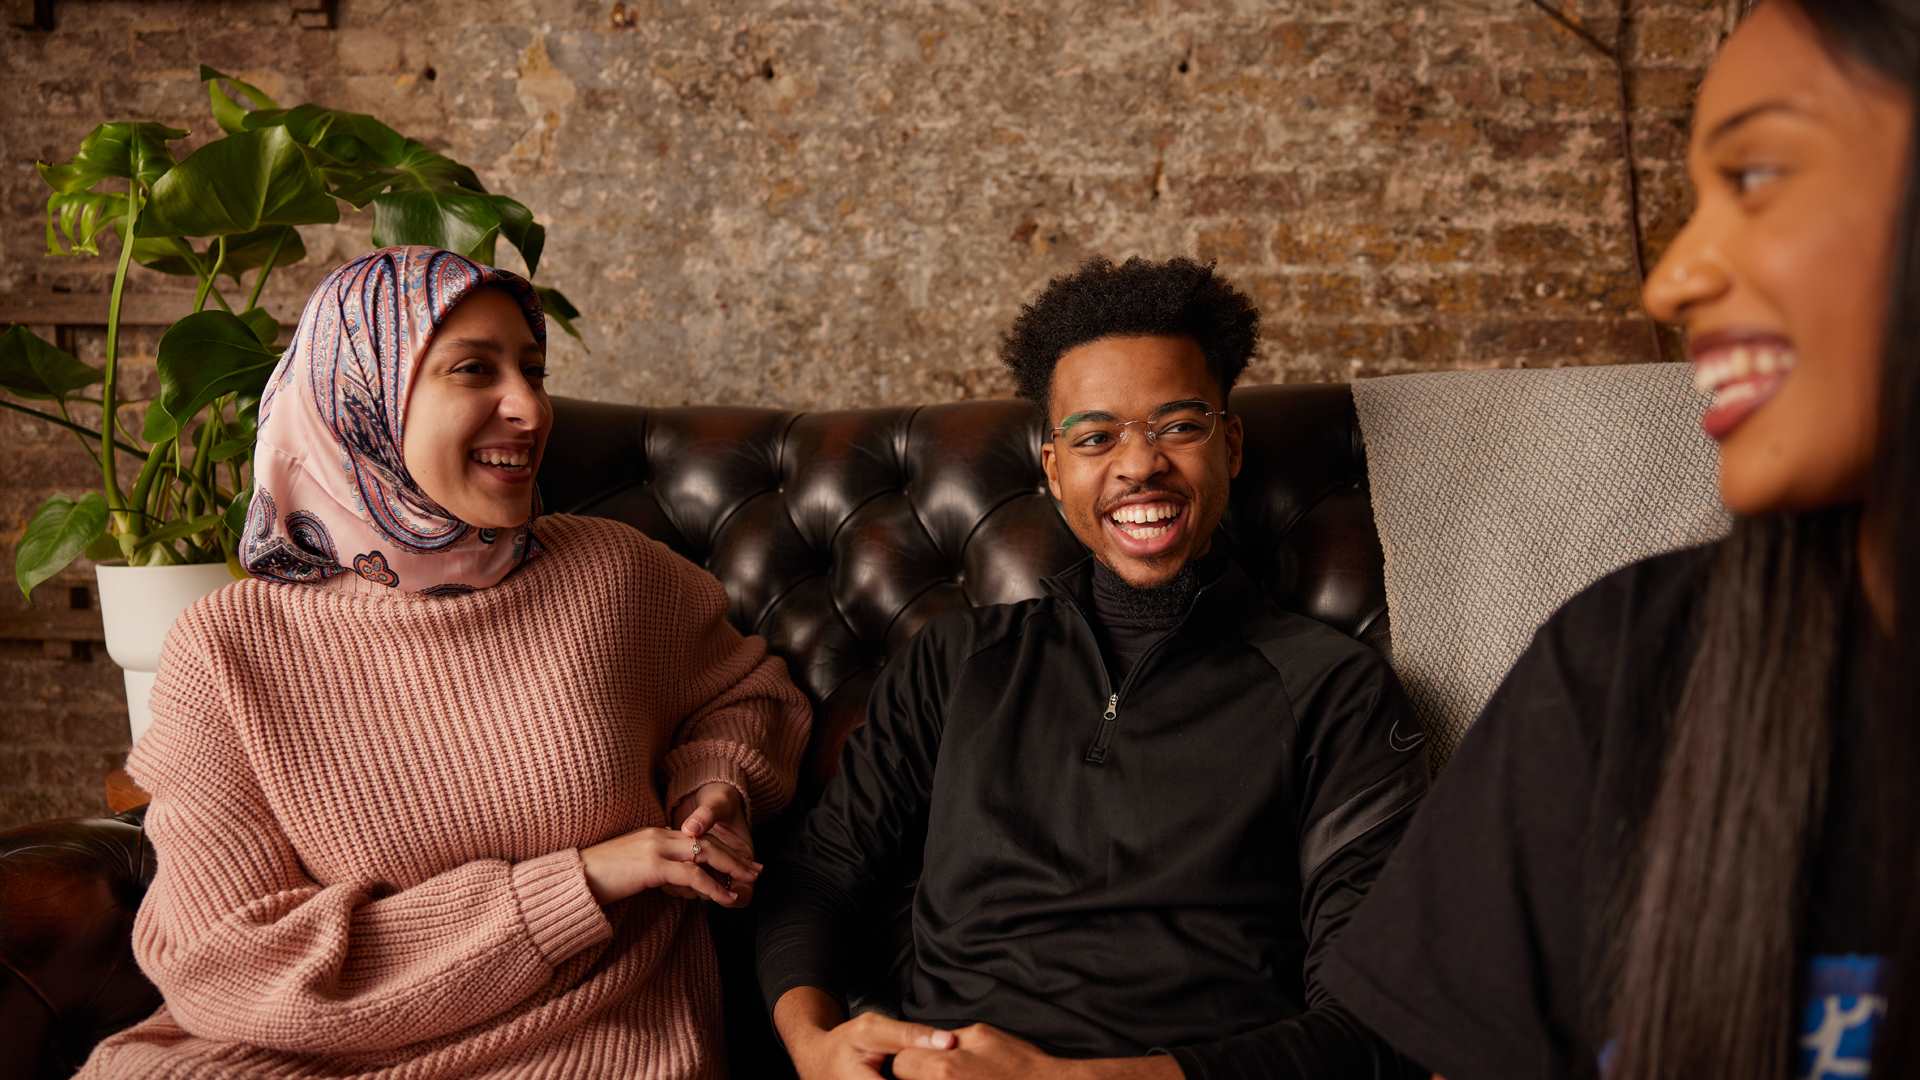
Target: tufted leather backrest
(839, 534)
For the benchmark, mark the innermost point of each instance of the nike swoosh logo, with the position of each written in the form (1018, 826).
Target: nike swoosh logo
(1403, 743)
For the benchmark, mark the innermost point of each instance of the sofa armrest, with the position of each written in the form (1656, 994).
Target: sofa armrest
(68, 893)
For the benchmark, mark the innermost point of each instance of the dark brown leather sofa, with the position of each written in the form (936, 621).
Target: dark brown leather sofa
(837, 536)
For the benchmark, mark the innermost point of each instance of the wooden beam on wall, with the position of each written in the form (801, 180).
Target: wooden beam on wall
(65, 611)
(30, 14)
(48, 307)
(313, 14)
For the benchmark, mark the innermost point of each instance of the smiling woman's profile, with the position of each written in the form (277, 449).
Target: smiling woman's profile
(1679, 841)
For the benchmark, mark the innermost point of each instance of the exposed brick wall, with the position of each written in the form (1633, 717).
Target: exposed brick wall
(839, 204)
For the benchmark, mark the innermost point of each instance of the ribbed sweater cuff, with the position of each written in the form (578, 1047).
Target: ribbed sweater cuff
(559, 909)
(695, 772)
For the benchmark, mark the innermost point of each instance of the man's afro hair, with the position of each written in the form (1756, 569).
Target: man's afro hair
(1176, 298)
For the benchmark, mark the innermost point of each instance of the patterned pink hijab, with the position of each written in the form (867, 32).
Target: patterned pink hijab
(331, 490)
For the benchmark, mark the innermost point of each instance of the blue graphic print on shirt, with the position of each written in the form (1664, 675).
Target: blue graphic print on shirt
(1843, 1009)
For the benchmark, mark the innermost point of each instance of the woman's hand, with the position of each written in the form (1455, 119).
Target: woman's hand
(667, 859)
(716, 815)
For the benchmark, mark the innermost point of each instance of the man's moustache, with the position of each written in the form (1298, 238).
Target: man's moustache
(1133, 493)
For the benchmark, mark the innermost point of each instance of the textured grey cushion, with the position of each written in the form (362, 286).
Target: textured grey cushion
(1499, 494)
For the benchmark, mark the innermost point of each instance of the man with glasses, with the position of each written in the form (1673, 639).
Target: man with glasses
(1142, 805)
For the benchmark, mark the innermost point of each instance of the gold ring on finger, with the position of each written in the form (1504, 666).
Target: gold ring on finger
(696, 851)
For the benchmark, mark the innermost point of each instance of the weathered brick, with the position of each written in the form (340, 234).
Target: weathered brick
(1306, 242)
(1563, 341)
(1530, 37)
(1583, 90)
(1329, 294)
(1424, 345)
(1428, 295)
(1332, 345)
(1571, 292)
(1666, 90)
(1682, 40)
(21, 804)
(1469, 88)
(1269, 193)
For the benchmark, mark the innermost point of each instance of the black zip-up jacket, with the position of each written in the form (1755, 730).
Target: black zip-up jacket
(1114, 870)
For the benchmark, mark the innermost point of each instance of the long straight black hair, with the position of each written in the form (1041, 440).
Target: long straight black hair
(1707, 922)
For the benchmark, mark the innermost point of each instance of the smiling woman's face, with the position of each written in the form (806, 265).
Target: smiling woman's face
(478, 416)
(1781, 275)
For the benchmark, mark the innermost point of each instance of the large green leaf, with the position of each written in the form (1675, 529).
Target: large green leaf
(250, 251)
(105, 548)
(421, 169)
(157, 427)
(236, 185)
(348, 138)
(266, 329)
(236, 513)
(466, 222)
(518, 226)
(469, 222)
(168, 533)
(247, 251)
(120, 151)
(205, 356)
(419, 196)
(362, 157)
(30, 367)
(227, 112)
(227, 449)
(60, 530)
(560, 310)
(169, 255)
(81, 217)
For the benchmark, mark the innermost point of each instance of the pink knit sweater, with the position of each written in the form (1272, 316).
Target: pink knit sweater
(369, 811)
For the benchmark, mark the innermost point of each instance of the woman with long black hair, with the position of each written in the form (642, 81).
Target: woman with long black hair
(1679, 841)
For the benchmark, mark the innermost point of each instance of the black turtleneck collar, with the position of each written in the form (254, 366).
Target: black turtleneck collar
(1128, 620)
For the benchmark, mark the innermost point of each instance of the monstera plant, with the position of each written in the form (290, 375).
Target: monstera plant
(226, 215)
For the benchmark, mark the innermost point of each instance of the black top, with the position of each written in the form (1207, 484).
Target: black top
(1472, 951)
(1164, 873)
(1129, 621)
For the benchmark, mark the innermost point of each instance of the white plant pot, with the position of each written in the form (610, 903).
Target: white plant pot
(138, 605)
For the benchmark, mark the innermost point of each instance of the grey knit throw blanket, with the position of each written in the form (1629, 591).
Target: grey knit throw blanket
(1500, 494)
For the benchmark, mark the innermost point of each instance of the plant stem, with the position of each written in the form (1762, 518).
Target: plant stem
(164, 495)
(206, 284)
(120, 425)
(79, 433)
(260, 280)
(143, 487)
(68, 424)
(193, 485)
(109, 480)
(203, 451)
(189, 492)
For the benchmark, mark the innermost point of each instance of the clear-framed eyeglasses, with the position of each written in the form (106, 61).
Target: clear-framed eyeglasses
(1175, 426)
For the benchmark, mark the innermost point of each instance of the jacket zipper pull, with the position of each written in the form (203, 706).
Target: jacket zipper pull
(1097, 753)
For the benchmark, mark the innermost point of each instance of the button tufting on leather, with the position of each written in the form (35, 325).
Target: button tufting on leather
(844, 531)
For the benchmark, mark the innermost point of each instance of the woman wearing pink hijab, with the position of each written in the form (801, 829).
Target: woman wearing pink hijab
(407, 781)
